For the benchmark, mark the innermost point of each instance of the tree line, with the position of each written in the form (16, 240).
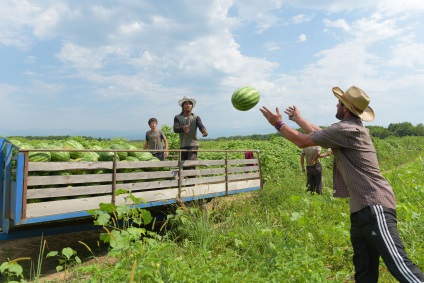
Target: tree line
(393, 130)
(403, 129)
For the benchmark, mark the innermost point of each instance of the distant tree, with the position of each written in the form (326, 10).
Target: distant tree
(402, 129)
(419, 130)
(379, 132)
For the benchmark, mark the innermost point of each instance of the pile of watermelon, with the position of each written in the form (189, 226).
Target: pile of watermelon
(82, 156)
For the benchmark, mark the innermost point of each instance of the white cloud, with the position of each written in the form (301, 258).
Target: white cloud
(271, 46)
(298, 19)
(408, 55)
(339, 23)
(335, 6)
(301, 38)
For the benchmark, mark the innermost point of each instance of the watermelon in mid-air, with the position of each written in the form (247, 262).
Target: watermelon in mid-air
(245, 98)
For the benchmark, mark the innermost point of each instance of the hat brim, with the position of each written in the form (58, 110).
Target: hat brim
(368, 114)
(181, 101)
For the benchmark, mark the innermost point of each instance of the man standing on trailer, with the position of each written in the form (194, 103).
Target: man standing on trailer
(186, 124)
(356, 174)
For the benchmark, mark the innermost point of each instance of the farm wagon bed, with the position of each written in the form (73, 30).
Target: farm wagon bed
(38, 197)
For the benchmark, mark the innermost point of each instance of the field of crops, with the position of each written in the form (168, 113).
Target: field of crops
(278, 234)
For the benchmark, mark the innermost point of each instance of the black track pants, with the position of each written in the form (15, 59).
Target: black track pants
(373, 234)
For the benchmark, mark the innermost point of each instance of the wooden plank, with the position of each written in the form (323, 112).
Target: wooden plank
(200, 190)
(234, 177)
(240, 185)
(71, 179)
(204, 180)
(242, 161)
(202, 162)
(146, 164)
(61, 166)
(65, 206)
(68, 191)
(151, 196)
(202, 172)
(243, 169)
(148, 185)
(147, 175)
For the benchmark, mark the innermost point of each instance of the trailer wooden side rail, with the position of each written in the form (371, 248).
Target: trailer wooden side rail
(44, 192)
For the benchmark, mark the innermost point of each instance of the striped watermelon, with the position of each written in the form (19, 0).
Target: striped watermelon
(39, 156)
(90, 156)
(73, 144)
(122, 154)
(107, 156)
(62, 156)
(144, 156)
(245, 98)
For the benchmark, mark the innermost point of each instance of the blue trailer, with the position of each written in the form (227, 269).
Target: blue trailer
(42, 198)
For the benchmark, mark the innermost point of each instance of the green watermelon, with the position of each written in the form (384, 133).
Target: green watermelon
(25, 146)
(144, 155)
(245, 98)
(131, 158)
(62, 156)
(122, 154)
(15, 142)
(132, 147)
(96, 147)
(90, 156)
(72, 144)
(107, 156)
(39, 156)
(41, 145)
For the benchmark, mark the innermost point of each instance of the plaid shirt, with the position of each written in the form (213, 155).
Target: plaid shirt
(356, 173)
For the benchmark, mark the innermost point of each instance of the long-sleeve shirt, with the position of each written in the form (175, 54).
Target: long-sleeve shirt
(188, 139)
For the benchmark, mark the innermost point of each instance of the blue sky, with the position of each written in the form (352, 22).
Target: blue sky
(105, 67)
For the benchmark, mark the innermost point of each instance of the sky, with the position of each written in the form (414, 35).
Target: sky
(103, 68)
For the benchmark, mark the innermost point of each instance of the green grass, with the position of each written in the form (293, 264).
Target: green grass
(277, 234)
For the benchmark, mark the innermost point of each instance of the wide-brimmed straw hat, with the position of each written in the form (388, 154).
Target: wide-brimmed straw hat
(356, 100)
(186, 98)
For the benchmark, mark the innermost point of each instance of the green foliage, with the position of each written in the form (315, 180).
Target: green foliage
(173, 138)
(122, 223)
(67, 258)
(12, 271)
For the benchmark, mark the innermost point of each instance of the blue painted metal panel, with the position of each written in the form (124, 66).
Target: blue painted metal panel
(7, 175)
(18, 190)
(2, 159)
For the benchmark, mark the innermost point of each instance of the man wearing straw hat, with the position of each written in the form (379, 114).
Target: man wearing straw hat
(186, 124)
(356, 174)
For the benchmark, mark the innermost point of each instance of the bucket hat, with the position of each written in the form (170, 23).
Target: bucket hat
(186, 98)
(356, 100)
